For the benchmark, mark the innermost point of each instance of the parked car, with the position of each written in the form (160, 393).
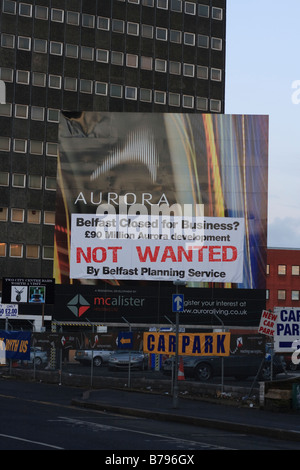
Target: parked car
(203, 368)
(120, 359)
(38, 357)
(99, 356)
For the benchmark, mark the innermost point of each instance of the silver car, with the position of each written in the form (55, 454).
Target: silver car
(99, 356)
(120, 359)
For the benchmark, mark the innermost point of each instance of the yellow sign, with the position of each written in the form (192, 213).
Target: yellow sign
(189, 344)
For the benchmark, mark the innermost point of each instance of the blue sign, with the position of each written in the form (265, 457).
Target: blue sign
(177, 302)
(17, 344)
(125, 340)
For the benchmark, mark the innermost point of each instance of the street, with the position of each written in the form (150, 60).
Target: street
(38, 416)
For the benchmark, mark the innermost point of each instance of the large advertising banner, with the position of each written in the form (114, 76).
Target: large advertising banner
(158, 197)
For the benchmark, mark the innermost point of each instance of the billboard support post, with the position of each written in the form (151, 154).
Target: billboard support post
(175, 388)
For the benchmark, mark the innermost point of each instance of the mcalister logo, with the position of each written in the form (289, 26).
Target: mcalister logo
(78, 305)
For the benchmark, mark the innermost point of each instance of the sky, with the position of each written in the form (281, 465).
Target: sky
(263, 77)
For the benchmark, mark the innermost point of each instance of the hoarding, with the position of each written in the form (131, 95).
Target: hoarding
(203, 177)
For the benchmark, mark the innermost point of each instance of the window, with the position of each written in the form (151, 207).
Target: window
(36, 147)
(148, 3)
(4, 144)
(9, 7)
(202, 41)
(203, 10)
(55, 81)
(116, 91)
(187, 101)
(20, 145)
(48, 252)
(160, 65)
(32, 251)
(49, 218)
(131, 60)
(133, 29)
(53, 115)
(38, 79)
(147, 31)
(73, 18)
(17, 215)
(4, 178)
(117, 58)
(57, 15)
(21, 111)
(176, 5)
(40, 45)
(6, 74)
(281, 269)
(202, 72)
(51, 147)
(103, 23)
(188, 70)
(146, 63)
(174, 99)
(162, 4)
(201, 103)
(22, 77)
(35, 182)
(101, 88)
(161, 34)
(130, 93)
(216, 44)
(72, 51)
(295, 270)
(70, 84)
(159, 97)
(217, 13)
(7, 40)
(175, 67)
(190, 8)
(88, 21)
(281, 294)
(295, 295)
(3, 214)
(25, 9)
(2, 249)
(86, 86)
(33, 216)
(215, 106)
(268, 269)
(216, 74)
(145, 95)
(175, 36)
(15, 250)
(41, 12)
(87, 53)
(117, 26)
(6, 110)
(50, 183)
(56, 48)
(24, 43)
(101, 55)
(37, 113)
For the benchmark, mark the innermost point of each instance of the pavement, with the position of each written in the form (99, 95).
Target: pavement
(235, 418)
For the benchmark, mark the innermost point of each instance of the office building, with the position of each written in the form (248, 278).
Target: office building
(75, 55)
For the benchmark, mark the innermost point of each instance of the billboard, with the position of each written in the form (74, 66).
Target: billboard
(160, 196)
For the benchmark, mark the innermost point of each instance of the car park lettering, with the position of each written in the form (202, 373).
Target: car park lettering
(211, 344)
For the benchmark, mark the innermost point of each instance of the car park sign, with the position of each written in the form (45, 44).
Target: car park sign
(287, 328)
(267, 323)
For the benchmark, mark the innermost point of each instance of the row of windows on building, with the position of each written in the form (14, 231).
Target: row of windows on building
(26, 43)
(89, 21)
(282, 270)
(19, 180)
(34, 147)
(18, 250)
(283, 294)
(33, 216)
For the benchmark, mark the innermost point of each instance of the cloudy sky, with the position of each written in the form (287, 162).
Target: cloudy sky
(263, 77)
